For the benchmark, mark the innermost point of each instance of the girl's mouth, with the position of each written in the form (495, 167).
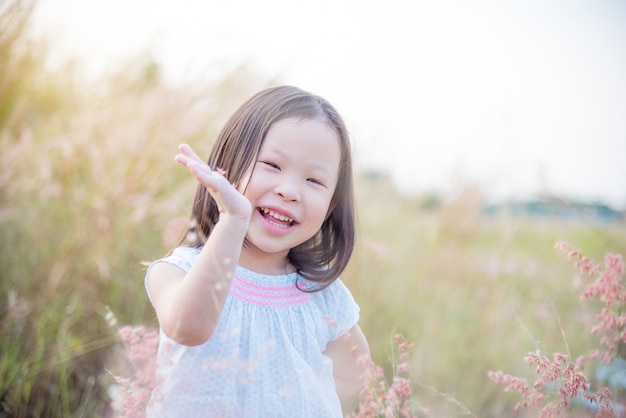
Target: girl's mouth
(275, 218)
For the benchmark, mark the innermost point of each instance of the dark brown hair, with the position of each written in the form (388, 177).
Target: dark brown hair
(324, 256)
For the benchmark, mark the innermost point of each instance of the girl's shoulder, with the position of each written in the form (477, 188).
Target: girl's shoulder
(336, 290)
(185, 251)
(182, 257)
(340, 310)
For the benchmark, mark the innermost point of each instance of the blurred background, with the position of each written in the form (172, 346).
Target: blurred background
(483, 133)
(517, 97)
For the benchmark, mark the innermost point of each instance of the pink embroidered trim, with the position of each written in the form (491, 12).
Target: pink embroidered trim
(277, 296)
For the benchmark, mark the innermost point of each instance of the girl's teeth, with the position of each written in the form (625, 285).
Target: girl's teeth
(277, 215)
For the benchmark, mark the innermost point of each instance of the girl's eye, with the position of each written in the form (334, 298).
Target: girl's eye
(316, 181)
(271, 164)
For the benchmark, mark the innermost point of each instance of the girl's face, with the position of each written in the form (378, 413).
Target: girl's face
(290, 188)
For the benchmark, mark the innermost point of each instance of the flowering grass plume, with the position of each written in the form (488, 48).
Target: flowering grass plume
(561, 381)
(608, 287)
(381, 399)
(141, 347)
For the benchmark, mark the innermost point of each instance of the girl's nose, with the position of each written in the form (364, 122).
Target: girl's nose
(288, 191)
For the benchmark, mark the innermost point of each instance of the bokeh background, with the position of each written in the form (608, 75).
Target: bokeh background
(516, 96)
(483, 133)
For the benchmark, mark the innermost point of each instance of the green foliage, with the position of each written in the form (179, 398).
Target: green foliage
(26, 91)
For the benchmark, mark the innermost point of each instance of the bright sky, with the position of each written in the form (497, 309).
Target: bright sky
(521, 97)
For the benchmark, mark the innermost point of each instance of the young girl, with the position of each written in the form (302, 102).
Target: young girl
(254, 321)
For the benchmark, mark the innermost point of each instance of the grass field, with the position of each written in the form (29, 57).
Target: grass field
(87, 189)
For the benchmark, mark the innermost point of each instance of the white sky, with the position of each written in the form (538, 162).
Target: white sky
(520, 97)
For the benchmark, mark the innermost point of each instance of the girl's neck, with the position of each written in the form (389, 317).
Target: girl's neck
(270, 264)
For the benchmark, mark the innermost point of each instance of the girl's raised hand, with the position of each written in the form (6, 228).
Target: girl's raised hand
(229, 200)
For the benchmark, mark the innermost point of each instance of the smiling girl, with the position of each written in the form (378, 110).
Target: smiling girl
(254, 321)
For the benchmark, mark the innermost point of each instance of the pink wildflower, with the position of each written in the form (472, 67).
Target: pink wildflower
(405, 346)
(567, 377)
(402, 367)
(141, 347)
(381, 399)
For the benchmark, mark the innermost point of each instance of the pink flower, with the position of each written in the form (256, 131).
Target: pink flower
(379, 398)
(405, 346)
(567, 377)
(141, 348)
(402, 367)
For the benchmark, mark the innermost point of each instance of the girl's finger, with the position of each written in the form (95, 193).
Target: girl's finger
(204, 174)
(186, 150)
(182, 159)
(187, 155)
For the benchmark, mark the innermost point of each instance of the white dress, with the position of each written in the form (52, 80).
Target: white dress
(265, 358)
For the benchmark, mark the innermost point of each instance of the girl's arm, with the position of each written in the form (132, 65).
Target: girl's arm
(188, 305)
(351, 358)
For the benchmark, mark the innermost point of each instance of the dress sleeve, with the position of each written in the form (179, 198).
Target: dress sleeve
(182, 257)
(343, 311)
